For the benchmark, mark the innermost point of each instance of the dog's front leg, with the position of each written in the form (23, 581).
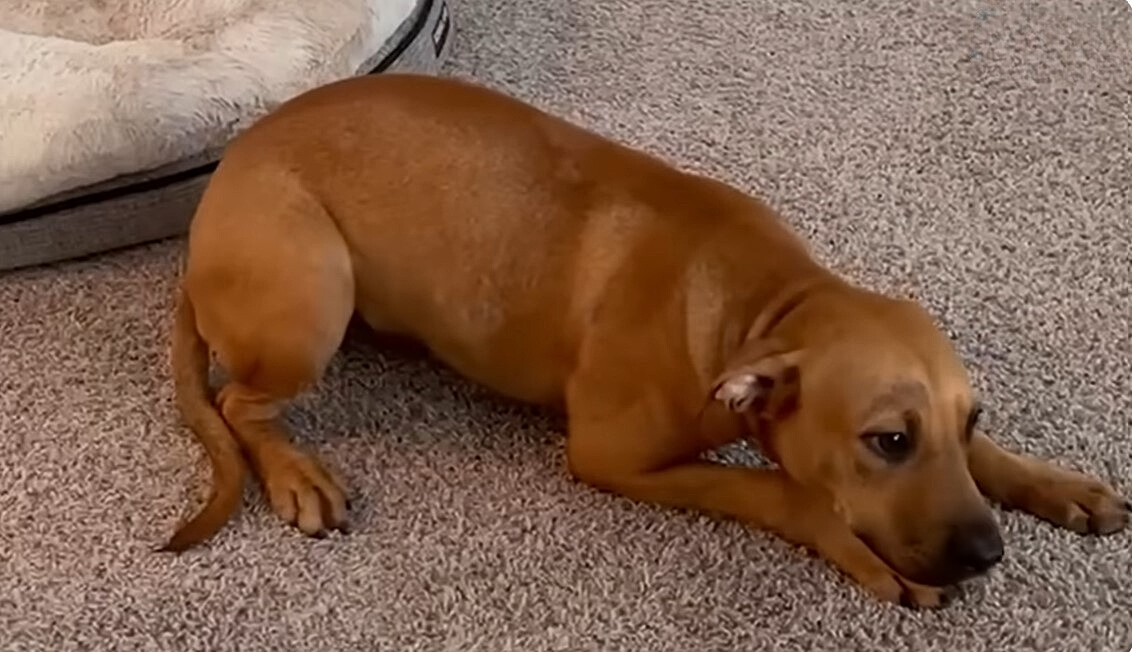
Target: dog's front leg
(1066, 498)
(630, 453)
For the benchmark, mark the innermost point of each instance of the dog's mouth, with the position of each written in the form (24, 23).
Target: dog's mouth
(939, 574)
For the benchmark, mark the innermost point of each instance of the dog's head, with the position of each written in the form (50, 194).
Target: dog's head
(865, 399)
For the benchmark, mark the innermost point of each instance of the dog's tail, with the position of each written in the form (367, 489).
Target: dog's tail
(191, 359)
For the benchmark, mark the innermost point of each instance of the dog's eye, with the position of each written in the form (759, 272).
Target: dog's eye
(893, 446)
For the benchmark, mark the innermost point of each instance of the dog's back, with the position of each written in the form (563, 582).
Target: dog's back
(478, 224)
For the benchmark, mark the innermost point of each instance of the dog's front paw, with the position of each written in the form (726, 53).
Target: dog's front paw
(836, 542)
(1075, 501)
(303, 492)
(873, 574)
(891, 587)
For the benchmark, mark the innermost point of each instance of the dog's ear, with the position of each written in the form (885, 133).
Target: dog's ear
(765, 385)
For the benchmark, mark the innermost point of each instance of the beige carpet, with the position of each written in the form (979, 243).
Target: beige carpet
(978, 153)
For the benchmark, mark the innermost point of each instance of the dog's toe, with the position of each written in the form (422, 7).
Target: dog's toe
(1074, 518)
(898, 590)
(304, 494)
(1079, 503)
(311, 520)
(921, 596)
(950, 594)
(885, 587)
(1108, 521)
(1106, 510)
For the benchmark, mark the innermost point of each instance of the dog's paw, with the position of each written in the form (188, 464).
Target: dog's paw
(893, 588)
(922, 596)
(303, 492)
(1076, 501)
(838, 544)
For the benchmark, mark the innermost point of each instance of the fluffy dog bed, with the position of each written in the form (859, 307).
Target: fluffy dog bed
(113, 113)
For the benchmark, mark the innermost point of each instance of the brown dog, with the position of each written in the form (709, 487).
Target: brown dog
(668, 314)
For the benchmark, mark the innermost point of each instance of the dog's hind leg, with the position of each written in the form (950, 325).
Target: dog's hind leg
(273, 286)
(300, 489)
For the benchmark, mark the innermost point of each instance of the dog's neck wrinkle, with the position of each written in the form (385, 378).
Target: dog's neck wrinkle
(765, 321)
(787, 301)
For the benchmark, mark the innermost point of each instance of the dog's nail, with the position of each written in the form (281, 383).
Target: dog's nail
(948, 595)
(1128, 505)
(344, 528)
(321, 534)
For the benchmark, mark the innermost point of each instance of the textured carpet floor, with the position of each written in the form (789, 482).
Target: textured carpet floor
(978, 154)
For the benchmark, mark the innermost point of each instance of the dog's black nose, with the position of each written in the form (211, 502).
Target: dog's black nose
(976, 546)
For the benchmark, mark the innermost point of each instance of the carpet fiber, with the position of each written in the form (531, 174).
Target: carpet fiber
(976, 154)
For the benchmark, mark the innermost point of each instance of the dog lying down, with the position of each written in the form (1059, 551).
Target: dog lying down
(666, 313)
